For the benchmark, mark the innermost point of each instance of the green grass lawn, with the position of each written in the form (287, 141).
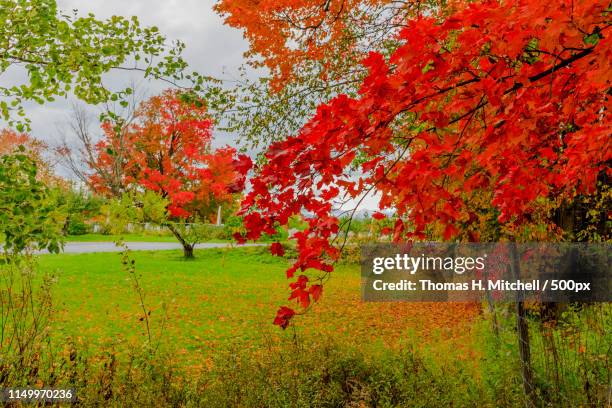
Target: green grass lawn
(224, 296)
(211, 321)
(126, 237)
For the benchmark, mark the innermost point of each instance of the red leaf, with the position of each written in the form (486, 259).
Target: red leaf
(450, 231)
(243, 164)
(277, 249)
(379, 216)
(316, 291)
(238, 237)
(283, 316)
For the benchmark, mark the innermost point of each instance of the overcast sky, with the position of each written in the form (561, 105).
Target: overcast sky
(212, 49)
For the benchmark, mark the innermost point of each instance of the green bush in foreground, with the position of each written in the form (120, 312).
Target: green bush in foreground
(306, 375)
(331, 375)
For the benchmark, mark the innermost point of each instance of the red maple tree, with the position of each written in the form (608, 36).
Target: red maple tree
(501, 108)
(168, 150)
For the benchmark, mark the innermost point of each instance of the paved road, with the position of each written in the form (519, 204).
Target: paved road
(88, 247)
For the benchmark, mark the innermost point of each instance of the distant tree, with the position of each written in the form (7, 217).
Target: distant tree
(11, 140)
(167, 149)
(77, 151)
(81, 207)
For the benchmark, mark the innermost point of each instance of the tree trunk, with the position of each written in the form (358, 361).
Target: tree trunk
(525, 353)
(188, 251)
(187, 247)
(522, 331)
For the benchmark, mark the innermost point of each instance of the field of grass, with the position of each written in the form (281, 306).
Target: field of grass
(228, 296)
(213, 342)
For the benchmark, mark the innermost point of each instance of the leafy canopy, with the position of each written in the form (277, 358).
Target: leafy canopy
(168, 151)
(311, 51)
(64, 53)
(501, 108)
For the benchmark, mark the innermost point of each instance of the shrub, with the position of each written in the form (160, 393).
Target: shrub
(76, 226)
(327, 374)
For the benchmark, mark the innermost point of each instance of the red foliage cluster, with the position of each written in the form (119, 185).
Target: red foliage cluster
(503, 99)
(168, 150)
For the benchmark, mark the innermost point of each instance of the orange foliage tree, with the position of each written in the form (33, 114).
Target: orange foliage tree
(312, 52)
(288, 36)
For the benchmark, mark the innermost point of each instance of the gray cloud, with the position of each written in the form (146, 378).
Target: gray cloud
(211, 46)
